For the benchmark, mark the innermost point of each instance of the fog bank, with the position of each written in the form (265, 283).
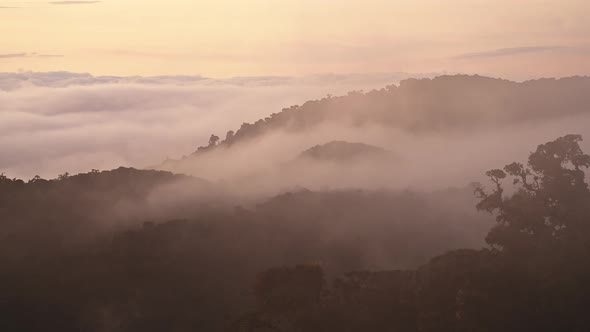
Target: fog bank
(64, 122)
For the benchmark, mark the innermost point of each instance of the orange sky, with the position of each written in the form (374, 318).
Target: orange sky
(221, 38)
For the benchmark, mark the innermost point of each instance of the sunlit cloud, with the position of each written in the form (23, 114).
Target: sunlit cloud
(511, 51)
(13, 55)
(29, 55)
(73, 2)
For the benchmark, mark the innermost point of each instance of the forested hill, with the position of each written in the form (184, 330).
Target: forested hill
(306, 260)
(54, 214)
(444, 103)
(344, 151)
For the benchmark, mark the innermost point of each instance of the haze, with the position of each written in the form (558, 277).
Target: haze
(511, 39)
(294, 165)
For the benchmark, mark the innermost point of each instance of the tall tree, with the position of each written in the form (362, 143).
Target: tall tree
(550, 203)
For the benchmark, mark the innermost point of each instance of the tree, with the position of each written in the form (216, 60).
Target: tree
(213, 140)
(35, 179)
(229, 136)
(289, 289)
(551, 200)
(63, 176)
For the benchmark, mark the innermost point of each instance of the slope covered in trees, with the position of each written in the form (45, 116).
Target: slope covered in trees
(341, 151)
(532, 278)
(428, 115)
(352, 260)
(71, 261)
(40, 216)
(441, 104)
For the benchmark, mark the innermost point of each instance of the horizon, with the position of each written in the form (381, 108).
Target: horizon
(77, 122)
(408, 75)
(294, 38)
(294, 165)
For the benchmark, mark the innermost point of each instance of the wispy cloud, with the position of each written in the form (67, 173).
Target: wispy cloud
(73, 2)
(169, 55)
(29, 55)
(511, 51)
(48, 55)
(13, 55)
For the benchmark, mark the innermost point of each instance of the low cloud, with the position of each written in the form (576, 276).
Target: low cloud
(29, 55)
(510, 51)
(73, 2)
(426, 161)
(49, 55)
(58, 121)
(13, 55)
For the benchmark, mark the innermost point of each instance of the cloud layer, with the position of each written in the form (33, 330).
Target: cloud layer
(28, 55)
(73, 2)
(512, 51)
(57, 122)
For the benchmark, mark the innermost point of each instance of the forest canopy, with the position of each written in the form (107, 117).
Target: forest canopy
(313, 261)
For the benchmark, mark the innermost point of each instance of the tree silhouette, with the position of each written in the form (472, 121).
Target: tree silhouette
(35, 179)
(288, 289)
(213, 140)
(551, 201)
(63, 176)
(229, 136)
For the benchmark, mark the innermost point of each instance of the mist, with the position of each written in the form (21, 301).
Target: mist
(294, 166)
(62, 122)
(313, 185)
(443, 133)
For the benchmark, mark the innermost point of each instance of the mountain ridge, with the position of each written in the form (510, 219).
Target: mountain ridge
(417, 105)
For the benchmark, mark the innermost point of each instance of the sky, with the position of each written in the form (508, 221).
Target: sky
(516, 39)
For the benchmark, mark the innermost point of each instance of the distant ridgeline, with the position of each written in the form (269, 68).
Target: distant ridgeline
(76, 254)
(343, 151)
(429, 105)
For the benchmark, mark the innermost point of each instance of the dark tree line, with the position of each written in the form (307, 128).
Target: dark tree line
(441, 104)
(91, 253)
(534, 277)
(302, 261)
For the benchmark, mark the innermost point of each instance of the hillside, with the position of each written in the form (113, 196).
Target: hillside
(439, 104)
(445, 105)
(59, 213)
(308, 260)
(343, 151)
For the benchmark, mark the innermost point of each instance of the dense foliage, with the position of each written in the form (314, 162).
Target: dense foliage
(442, 104)
(534, 277)
(302, 261)
(91, 252)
